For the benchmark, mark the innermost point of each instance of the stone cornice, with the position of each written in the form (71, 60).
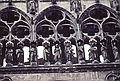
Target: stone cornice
(60, 69)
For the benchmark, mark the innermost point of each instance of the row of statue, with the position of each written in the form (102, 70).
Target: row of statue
(75, 5)
(68, 51)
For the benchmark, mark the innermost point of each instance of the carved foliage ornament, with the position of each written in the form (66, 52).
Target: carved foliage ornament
(113, 77)
(5, 78)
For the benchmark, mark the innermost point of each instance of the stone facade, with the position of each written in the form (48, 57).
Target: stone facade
(86, 76)
(61, 25)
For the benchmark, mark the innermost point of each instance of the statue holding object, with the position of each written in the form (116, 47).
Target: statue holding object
(115, 51)
(68, 51)
(46, 52)
(81, 55)
(104, 50)
(9, 53)
(57, 52)
(20, 54)
(93, 51)
(33, 54)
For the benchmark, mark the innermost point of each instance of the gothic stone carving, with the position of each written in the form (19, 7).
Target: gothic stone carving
(113, 76)
(20, 54)
(57, 52)
(93, 51)
(46, 52)
(9, 53)
(104, 50)
(115, 50)
(68, 51)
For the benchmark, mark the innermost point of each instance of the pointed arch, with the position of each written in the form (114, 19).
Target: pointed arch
(100, 10)
(15, 13)
(57, 17)
(98, 14)
(16, 20)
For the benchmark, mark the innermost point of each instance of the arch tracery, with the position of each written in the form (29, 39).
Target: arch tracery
(103, 21)
(98, 26)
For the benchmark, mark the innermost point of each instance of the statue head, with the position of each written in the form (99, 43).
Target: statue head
(57, 44)
(46, 43)
(9, 44)
(20, 45)
(80, 42)
(114, 42)
(67, 43)
(103, 42)
(92, 42)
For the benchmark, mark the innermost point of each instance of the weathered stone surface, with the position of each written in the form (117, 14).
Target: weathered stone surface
(86, 76)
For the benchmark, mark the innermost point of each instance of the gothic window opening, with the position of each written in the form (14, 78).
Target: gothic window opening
(4, 29)
(45, 29)
(10, 16)
(21, 29)
(55, 19)
(58, 15)
(66, 30)
(99, 14)
(111, 26)
(90, 27)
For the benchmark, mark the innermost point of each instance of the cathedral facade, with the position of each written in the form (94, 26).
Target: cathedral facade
(62, 25)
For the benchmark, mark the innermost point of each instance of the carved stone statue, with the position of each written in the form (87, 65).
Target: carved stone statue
(1, 58)
(32, 6)
(10, 2)
(9, 53)
(33, 54)
(46, 52)
(97, 1)
(115, 4)
(81, 55)
(54, 1)
(93, 51)
(104, 50)
(115, 51)
(68, 51)
(75, 5)
(57, 52)
(20, 54)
